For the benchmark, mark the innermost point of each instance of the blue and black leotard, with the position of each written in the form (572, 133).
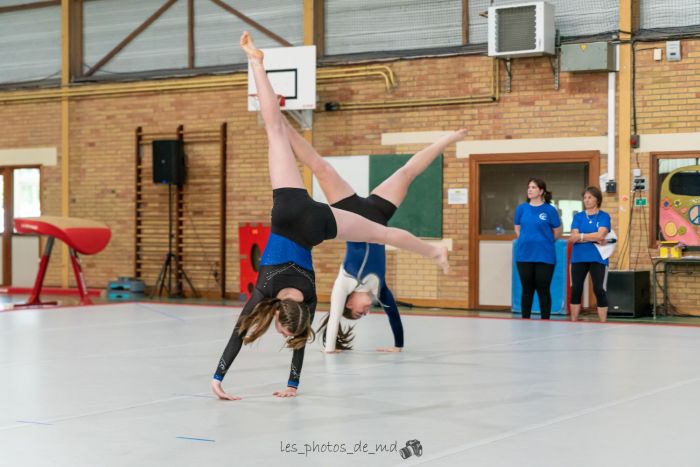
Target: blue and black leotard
(298, 224)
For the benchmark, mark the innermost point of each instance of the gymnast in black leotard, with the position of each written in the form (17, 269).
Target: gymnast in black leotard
(285, 291)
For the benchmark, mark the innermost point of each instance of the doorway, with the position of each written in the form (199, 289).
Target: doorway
(20, 189)
(499, 184)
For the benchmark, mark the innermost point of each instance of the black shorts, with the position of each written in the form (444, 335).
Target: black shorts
(301, 219)
(374, 208)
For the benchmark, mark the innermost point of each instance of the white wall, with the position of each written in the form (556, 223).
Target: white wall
(495, 269)
(25, 260)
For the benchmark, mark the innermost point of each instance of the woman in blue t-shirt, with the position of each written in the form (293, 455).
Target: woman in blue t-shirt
(537, 226)
(589, 227)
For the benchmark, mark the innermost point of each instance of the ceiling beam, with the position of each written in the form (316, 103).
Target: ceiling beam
(29, 6)
(252, 23)
(130, 37)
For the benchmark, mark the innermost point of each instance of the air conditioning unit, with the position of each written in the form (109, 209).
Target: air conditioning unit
(522, 30)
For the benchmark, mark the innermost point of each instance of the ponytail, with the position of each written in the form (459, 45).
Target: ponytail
(293, 316)
(259, 320)
(345, 336)
(547, 195)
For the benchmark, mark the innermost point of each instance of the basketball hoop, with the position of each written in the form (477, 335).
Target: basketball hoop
(281, 100)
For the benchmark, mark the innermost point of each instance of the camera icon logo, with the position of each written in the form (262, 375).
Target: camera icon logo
(412, 447)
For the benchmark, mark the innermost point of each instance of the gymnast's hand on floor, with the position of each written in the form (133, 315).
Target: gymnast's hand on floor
(289, 392)
(220, 393)
(389, 349)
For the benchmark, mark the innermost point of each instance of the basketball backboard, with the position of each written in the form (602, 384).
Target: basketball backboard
(292, 73)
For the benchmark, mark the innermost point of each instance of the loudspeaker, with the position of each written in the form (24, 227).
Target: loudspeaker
(169, 162)
(629, 294)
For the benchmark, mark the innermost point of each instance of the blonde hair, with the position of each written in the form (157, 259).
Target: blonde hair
(293, 316)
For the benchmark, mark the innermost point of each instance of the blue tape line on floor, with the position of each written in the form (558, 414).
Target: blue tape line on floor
(196, 439)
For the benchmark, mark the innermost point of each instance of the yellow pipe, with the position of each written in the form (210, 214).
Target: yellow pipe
(624, 152)
(310, 28)
(200, 83)
(93, 90)
(65, 129)
(395, 104)
(348, 75)
(387, 72)
(240, 79)
(418, 102)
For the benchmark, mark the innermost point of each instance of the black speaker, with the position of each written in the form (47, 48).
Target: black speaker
(629, 294)
(169, 162)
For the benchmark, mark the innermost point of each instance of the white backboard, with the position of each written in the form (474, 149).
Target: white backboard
(292, 73)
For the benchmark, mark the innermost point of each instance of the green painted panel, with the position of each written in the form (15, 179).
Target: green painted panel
(421, 211)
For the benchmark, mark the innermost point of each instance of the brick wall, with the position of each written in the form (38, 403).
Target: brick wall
(102, 149)
(667, 102)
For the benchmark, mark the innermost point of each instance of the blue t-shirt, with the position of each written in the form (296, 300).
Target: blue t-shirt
(586, 252)
(536, 240)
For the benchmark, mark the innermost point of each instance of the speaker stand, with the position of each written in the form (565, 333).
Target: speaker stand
(167, 270)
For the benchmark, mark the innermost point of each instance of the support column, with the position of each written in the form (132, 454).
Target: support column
(624, 152)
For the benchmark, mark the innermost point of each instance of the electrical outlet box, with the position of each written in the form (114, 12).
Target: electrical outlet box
(636, 172)
(593, 56)
(639, 184)
(658, 54)
(673, 51)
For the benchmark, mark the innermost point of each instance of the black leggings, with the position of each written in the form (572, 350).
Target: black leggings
(599, 274)
(536, 276)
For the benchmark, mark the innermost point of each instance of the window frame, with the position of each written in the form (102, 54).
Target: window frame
(474, 236)
(655, 157)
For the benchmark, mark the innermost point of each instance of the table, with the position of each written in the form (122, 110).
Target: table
(668, 264)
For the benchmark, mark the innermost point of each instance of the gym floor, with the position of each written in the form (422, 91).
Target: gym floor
(128, 384)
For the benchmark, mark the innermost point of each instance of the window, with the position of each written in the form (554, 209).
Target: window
(25, 199)
(676, 196)
(30, 44)
(357, 26)
(25, 192)
(504, 186)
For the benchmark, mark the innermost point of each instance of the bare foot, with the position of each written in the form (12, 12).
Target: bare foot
(254, 54)
(441, 260)
(220, 393)
(389, 349)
